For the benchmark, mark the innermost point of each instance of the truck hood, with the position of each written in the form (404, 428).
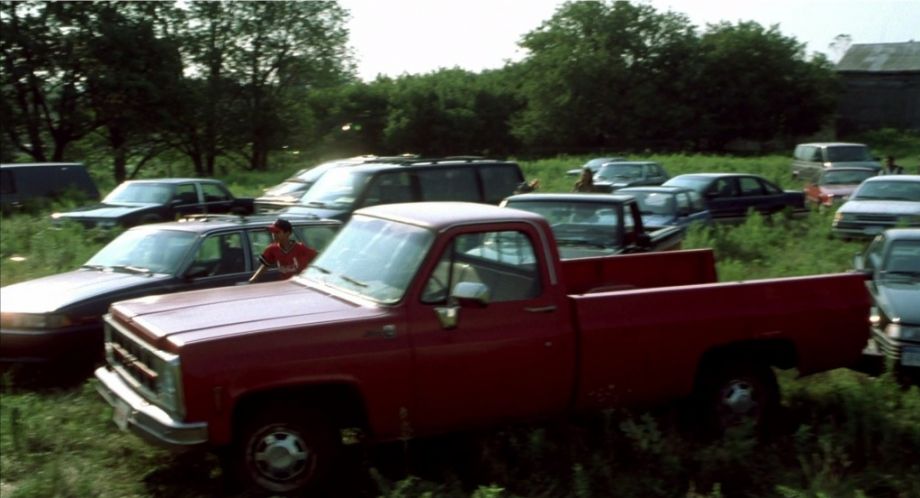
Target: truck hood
(103, 211)
(881, 207)
(242, 309)
(899, 298)
(55, 292)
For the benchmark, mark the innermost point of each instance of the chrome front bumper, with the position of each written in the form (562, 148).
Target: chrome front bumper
(148, 421)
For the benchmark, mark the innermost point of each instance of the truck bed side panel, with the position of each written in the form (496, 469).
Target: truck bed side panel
(657, 269)
(645, 345)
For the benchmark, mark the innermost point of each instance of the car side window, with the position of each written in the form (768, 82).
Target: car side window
(770, 188)
(448, 184)
(259, 239)
(219, 254)
(750, 186)
(498, 181)
(314, 237)
(683, 202)
(504, 261)
(214, 193)
(816, 154)
(696, 200)
(186, 193)
(389, 188)
(723, 187)
(873, 257)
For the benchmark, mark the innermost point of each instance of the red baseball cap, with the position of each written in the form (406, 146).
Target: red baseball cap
(281, 225)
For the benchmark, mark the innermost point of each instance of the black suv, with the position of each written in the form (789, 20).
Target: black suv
(340, 191)
(59, 317)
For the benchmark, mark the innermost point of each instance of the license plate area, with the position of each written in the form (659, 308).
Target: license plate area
(910, 358)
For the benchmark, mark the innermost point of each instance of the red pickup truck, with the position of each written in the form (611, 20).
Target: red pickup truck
(425, 318)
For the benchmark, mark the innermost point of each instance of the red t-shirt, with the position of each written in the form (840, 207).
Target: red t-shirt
(290, 262)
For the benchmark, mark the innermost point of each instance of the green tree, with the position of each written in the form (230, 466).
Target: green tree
(132, 76)
(755, 83)
(603, 74)
(44, 101)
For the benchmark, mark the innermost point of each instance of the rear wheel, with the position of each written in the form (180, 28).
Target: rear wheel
(736, 393)
(284, 450)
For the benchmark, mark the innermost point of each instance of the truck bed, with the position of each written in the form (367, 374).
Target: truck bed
(644, 270)
(668, 330)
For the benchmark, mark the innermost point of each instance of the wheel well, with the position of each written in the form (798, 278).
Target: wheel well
(775, 353)
(341, 402)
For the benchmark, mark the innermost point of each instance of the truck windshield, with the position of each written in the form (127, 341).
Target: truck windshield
(844, 153)
(592, 224)
(660, 203)
(372, 258)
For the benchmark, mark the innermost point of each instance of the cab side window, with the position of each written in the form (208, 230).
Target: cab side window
(214, 193)
(186, 194)
(503, 261)
(723, 187)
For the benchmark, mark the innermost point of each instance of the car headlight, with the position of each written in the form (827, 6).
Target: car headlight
(903, 332)
(169, 385)
(35, 320)
(838, 216)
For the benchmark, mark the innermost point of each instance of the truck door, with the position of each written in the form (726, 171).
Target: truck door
(511, 356)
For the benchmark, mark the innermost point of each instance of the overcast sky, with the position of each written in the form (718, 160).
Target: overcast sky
(393, 37)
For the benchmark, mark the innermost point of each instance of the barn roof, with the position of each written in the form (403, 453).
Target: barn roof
(881, 58)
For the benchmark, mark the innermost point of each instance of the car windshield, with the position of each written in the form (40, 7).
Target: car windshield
(145, 250)
(614, 170)
(337, 188)
(372, 258)
(889, 191)
(593, 224)
(697, 183)
(288, 188)
(847, 153)
(595, 164)
(655, 202)
(903, 258)
(845, 177)
(140, 193)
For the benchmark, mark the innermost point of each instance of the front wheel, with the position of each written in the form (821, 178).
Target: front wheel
(736, 393)
(284, 450)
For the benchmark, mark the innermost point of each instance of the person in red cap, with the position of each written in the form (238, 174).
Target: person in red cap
(288, 256)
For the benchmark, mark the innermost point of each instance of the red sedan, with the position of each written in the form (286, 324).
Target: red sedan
(835, 185)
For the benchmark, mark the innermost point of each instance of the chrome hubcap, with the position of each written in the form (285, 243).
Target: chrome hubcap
(738, 397)
(281, 456)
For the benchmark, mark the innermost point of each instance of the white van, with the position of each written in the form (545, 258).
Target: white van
(812, 158)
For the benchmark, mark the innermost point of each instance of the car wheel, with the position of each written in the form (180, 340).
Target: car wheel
(736, 393)
(284, 449)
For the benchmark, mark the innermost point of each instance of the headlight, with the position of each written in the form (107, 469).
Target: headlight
(35, 320)
(903, 332)
(169, 385)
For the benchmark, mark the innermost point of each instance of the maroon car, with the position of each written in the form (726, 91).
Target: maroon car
(835, 185)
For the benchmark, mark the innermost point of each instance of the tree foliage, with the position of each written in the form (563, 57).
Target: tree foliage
(231, 82)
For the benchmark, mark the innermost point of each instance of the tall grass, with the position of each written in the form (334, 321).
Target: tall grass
(843, 434)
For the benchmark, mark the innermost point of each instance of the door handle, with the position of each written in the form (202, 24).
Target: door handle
(541, 309)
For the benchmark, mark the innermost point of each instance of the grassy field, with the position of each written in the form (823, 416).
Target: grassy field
(842, 434)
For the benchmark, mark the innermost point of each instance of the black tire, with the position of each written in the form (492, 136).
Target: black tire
(731, 394)
(284, 450)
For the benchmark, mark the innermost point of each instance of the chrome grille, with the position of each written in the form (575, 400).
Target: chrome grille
(136, 361)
